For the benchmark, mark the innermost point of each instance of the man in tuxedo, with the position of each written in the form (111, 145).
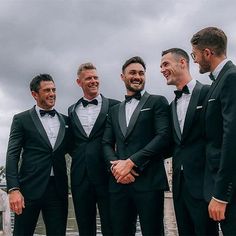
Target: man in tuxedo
(136, 134)
(89, 174)
(188, 147)
(35, 163)
(209, 51)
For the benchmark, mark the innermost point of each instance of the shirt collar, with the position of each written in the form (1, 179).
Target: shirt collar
(191, 84)
(217, 70)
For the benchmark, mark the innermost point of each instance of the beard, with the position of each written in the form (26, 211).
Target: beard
(134, 89)
(204, 66)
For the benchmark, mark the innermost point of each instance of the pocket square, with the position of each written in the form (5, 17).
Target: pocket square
(66, 126)
(199, 107)
(146, 109)
(211, 100)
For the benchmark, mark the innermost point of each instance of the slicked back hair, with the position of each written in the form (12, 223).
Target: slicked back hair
(135, 59)
(212, 38)
(35, 82)
(86, 66)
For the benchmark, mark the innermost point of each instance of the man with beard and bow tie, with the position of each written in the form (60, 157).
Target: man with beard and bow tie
(36, 171)
(89, 174)
(188, 147)
(136, 134)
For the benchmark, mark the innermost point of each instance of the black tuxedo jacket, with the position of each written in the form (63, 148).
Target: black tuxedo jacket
(30, 149)
(220, 127)
(86, 151)
(143, 141)
(189, 147)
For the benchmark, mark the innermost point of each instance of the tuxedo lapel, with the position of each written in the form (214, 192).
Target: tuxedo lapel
(122, 118)
(135, 115)
(76, 120)
(191, 109)
(218, 79)
(175, 119)
(101, 117)
(61, 132)
(39, 126)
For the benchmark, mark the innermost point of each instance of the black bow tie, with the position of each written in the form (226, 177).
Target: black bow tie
(136, 96)
(86, 102)
(179, 93)
(212, 77)
(49, 112)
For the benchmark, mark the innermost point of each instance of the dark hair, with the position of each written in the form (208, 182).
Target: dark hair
(86, 66)
(135, 59)
(212, 38)
(178, 52)
(35, 82)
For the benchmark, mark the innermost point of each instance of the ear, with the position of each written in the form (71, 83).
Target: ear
(182, 63)
(78, 81)
(34, 94)
(208, 51)
(122, 77)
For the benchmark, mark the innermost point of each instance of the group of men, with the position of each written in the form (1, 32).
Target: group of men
(118, 150)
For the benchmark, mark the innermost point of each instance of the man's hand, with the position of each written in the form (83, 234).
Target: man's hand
(16, 201)
(129, 178)
(216, 210)
(121, 168)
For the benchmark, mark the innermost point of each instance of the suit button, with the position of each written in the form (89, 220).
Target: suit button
(126, 143)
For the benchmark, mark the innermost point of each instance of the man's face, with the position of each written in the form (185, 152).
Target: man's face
(200, 57)
(89, 82)
(134, 77)
(46, 95)
(171, 68)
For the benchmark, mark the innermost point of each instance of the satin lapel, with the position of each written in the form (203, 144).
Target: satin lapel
(175, 119)
(218, 79)
(76, 120)
(122, 118)
(61, 132)
(191, 109)
(135, 115)
(39, 126)
(101, 117)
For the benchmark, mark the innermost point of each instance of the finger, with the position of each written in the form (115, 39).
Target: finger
(133, 172)
(114, 162)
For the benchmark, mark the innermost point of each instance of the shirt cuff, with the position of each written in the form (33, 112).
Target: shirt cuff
(13, 189)
(220, 201)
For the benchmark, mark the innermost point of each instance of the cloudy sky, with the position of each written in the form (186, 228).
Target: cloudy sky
(41, 36)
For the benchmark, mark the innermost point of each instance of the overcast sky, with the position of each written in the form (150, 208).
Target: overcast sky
(42, 36)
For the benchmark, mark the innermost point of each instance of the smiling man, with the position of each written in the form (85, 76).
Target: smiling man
(209, 51)
(188, 149)
(89, 175)
(135, 137)
(35, 166)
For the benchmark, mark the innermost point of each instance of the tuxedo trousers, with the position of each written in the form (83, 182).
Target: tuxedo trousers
(87, 197)
(54, 212)
(192, 214)
(228, 226)
(125, 205)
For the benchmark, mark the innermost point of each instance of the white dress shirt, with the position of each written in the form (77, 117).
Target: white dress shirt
(89, 114)
(130, 107)
(183, 102)
(218, 69)
(51, 125)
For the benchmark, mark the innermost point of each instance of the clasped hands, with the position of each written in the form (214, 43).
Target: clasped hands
(123, 171)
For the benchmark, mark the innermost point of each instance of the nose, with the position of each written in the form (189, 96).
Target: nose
(162, 69)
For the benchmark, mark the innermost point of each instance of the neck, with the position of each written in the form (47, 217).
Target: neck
(90, 97)
(216, 61)
(184, 81)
